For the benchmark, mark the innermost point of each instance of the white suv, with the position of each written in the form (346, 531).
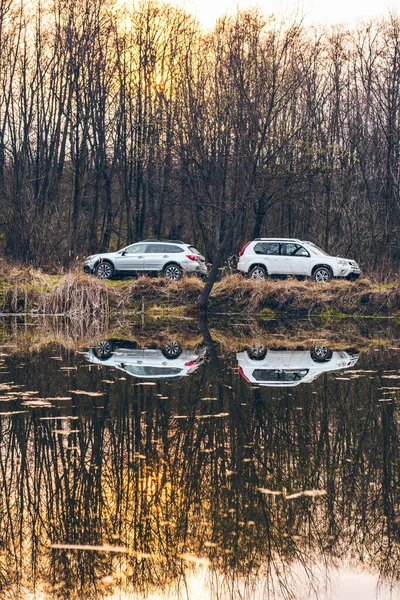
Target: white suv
(170, 257)
(280, 256)
(288, 368)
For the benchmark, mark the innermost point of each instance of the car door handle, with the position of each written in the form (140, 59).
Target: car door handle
(166, 256)
(140, 257)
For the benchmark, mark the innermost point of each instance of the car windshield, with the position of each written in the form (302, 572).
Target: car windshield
(193, 249)
(314, 247)
(134, 249)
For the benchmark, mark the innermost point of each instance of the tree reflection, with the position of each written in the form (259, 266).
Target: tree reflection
(198, 469)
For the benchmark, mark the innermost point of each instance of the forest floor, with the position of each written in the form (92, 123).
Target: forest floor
(74, 294)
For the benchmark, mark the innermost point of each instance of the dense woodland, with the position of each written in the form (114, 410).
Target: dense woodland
(120, 122)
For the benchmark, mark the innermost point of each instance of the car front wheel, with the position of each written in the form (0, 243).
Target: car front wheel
(321, 353)
(173, 272)
(104, 270)
(104, 350)
(322, 274)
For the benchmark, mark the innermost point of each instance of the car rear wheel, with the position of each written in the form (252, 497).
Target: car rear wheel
(322, 274)
(172, 350)
(257, 352)
(104, 270)
(258, 273)
(173, 272)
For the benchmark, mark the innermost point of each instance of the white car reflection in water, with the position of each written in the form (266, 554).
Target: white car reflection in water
(169, 361)
(287, 368)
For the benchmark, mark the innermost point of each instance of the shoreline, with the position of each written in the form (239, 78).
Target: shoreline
(75, 294)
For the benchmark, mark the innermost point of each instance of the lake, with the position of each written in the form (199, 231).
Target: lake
(187, 460)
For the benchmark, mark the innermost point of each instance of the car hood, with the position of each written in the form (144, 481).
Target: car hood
(349, 260)
(106, 254)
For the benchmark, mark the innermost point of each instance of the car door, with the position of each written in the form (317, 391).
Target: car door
(269, 253)
(131, 258)
(156, 257)
(298, 260)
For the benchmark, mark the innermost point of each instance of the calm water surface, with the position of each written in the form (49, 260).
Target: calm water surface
(171, 467)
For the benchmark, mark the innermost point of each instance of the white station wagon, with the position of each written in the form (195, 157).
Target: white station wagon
(280, 256)
(168, 362)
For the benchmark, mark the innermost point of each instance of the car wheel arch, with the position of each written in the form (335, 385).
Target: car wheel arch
(322, 266)
(255, 265)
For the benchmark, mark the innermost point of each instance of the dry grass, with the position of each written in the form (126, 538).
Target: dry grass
(72, 294)
(80, 296)
(235, 293)
(73, 297)
(149, 291)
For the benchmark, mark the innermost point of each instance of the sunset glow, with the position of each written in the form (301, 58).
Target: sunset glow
(313, 11)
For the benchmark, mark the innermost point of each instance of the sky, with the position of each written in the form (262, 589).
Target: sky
(315, 11)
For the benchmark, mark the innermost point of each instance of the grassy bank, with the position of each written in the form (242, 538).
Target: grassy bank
(25, 290)
(336, 298)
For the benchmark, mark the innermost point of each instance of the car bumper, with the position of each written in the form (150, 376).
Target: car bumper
(195, 267)
(348, 272)
(242, 267)
(88, 268)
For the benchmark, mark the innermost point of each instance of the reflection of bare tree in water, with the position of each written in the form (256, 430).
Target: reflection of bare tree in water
(201, 469)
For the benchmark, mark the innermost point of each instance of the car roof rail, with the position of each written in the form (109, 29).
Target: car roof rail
(281, 239)
(153, 240)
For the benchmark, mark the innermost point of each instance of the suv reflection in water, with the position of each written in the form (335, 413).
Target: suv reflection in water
(169, 361)
(287, 368)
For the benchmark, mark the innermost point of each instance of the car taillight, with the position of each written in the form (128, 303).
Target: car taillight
(192, 256)
(243, 375)
(243, 249)
(191, 363)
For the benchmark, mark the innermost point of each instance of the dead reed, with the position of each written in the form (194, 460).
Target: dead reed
(76, 295)
(235, 293)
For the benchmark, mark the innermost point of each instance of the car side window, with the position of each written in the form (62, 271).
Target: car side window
(270, 248)
(302, 252)
(173, 249)
(136, 249)
(291, 249)
(156, 248)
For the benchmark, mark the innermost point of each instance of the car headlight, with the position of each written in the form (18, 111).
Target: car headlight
(341, 261)
(89, 258)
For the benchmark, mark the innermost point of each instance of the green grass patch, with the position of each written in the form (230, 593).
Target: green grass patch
(267, 314)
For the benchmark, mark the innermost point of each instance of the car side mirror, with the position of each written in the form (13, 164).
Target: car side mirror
(123, 252)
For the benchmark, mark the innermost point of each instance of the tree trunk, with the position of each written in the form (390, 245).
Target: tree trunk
(202, 302)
